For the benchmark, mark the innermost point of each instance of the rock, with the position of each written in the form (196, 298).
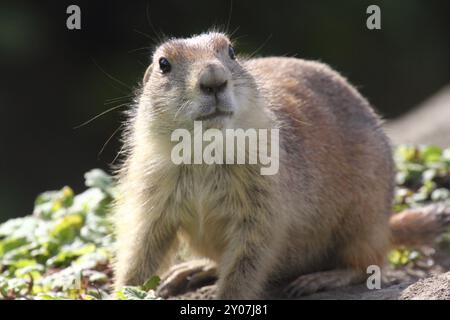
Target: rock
(426, 124)
(433, 288)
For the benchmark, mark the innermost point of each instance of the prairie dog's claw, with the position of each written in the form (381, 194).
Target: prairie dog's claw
(187, 276)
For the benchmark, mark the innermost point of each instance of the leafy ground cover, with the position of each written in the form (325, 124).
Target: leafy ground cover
(64, 250)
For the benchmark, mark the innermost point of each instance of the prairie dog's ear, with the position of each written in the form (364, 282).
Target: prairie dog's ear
(147, 74)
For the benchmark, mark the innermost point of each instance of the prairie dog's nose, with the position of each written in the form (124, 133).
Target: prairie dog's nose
(213, 79)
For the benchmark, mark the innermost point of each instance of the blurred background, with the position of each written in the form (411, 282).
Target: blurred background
(54, 79)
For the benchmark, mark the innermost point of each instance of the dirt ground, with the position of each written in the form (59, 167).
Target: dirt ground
(425, 279)
(435, 287)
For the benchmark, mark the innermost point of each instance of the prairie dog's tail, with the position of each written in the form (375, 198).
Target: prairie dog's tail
(420, 226)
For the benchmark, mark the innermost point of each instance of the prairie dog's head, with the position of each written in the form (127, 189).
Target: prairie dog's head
(198, 78)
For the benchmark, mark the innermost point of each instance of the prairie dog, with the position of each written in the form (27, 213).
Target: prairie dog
(327, 209)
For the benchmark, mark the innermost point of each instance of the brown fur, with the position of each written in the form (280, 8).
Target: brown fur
(420, 226)
(327, 208)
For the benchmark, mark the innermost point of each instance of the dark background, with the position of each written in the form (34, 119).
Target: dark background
(53, 79)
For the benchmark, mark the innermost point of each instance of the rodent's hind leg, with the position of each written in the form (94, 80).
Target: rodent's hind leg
(322, 281)
(187, 276)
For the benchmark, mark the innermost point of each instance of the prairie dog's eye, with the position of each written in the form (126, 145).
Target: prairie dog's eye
(164, 65)
(231, 52)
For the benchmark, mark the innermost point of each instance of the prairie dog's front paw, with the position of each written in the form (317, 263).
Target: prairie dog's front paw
(186, 277)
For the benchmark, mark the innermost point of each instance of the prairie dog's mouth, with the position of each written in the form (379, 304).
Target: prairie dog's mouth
(215, 114)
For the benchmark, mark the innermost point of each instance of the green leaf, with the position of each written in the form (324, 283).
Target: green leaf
(402, 256)
(66, 255)
(440, 194)
(405, 153)
(97, 178)
(446, 155)
(48, 203)
(10, 244)
(431, 154)
(67, 228)
(47, 296)
(151, 283)
(131, 293)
